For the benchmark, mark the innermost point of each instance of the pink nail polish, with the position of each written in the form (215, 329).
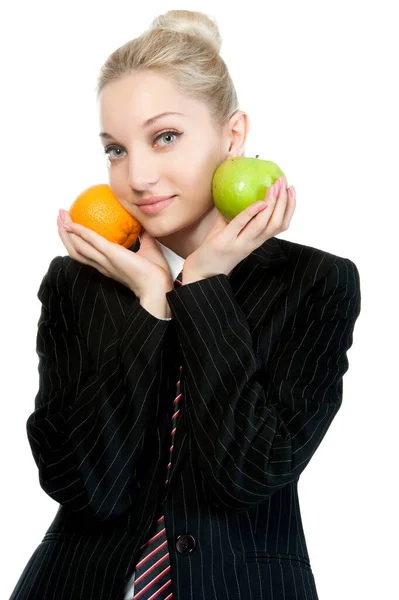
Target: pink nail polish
(61, 214)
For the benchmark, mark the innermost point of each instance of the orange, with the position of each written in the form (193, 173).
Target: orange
(98, 208)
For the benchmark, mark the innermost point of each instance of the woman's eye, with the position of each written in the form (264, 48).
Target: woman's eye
(114, 152)
(109, 149)
(165, 134)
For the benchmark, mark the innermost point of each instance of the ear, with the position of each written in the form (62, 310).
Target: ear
(236, 134)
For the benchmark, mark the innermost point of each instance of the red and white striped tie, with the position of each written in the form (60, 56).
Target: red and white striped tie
(152, 579)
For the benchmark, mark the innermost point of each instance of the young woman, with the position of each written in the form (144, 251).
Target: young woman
(175, 414)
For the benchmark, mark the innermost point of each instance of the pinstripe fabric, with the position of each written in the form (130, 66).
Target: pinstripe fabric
(264, 353)
(151, 579)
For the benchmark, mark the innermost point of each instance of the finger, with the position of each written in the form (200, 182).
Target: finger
(65, 238)
(271, 221)
(83, 248)
(66, 217)
(241, 220)
(255, 226)
(277, 217)
(68, 239)
(291, 205)
(90, 236)
(79, 250)
(277, 223)
(95, 240)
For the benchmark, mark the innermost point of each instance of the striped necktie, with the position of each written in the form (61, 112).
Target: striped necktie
(152, 579)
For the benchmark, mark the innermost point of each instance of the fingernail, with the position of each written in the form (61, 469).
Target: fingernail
(66, 227)
(61, 215)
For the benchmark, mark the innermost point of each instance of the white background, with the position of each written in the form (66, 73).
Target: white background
(318, 81)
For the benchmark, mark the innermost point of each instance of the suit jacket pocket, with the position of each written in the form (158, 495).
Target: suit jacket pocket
(283, 559)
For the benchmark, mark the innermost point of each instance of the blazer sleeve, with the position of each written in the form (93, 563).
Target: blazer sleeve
(88, 425)
(255, 427)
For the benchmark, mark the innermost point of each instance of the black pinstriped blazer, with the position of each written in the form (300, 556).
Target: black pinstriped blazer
(263, 352)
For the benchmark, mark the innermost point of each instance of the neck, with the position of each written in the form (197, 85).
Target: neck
(185, 241)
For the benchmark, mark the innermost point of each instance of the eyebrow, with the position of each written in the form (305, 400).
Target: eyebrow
(146, 123)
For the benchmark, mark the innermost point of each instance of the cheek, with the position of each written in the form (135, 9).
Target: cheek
(119, 185)
(198, 172)
(195, 181)
(122, 195)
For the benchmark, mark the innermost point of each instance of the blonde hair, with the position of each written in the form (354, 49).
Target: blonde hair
(183, 45)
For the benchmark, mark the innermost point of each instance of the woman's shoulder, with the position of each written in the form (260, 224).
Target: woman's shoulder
(310, 268)
(65, 274)
(81, 284)
(314, 258)
(69, 267)
(322, 274)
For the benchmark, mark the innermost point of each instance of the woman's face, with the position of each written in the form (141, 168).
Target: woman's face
(174, 155)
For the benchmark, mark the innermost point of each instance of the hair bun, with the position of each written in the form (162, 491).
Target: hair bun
(190, 23)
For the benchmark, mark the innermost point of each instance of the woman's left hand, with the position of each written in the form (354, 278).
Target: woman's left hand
(228, 243)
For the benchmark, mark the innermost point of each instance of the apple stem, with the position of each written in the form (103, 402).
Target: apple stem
(257, 156)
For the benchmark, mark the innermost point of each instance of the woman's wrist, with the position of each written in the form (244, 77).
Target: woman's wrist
(157, 305)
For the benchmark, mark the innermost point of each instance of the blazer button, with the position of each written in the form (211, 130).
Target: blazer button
(185, 544)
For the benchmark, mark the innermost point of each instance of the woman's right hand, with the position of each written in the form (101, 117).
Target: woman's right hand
(141, 271)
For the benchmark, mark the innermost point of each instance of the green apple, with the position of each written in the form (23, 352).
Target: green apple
(241, 181)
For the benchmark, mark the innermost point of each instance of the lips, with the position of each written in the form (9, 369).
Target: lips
(152, 200)
(156, 207)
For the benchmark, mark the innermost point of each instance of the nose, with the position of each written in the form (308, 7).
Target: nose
(142, 173)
